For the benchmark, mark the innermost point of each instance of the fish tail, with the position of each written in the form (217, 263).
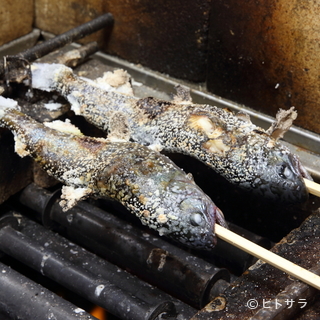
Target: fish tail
(24, 128)
(47, 77)
(5, 105)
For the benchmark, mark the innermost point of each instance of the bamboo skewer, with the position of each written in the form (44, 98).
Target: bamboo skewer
(313, 187)
(269, 257)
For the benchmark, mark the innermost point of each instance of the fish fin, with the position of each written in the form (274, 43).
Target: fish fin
(47, 76)
(71, 196)
(243, 116)
(119, 129)
(20, 147)
(66, 127)
(119, 80)
(156, 147)
(190, 176)
(182, 95)
(284, 120)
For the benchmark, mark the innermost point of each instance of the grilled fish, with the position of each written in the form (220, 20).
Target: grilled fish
(145, 182)
(243, 153)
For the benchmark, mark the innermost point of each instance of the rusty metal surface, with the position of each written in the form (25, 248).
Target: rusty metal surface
(77, 33)
(261, 282)
(167, 36)
(60, 16)
(265, 54)
(19, 13)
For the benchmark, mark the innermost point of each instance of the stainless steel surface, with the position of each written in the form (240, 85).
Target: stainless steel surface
(20, 44)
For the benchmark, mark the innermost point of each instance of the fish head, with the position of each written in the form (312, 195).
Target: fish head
(192, 217)
(279, 176)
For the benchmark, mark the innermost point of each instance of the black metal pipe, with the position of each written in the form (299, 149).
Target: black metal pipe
(236, 259)
(77, 56)
(63, 39)
(176, 271)
(22, 298)
(81, 272)
(170, 268)
(123, 280)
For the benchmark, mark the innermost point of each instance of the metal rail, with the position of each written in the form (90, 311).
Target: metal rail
(63, 39)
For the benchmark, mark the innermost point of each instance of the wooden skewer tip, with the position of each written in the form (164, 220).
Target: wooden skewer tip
(269, 257)
(313, 187)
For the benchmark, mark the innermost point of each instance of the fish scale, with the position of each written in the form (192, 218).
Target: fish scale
(147, 183)
(230, 144)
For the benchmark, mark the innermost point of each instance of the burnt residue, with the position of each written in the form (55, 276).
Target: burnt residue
(262, 282)
(264, 54)
(153, 107)
(167, 36)
(91, 145)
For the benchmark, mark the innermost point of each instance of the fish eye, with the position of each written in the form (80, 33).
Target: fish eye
(285, 172)
(196, 219)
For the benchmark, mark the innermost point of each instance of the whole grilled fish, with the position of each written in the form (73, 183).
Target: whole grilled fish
(145, 182)
(230, 144)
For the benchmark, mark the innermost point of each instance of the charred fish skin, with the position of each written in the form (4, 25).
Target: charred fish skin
(144, 181)
(230, 144)
(234, 147)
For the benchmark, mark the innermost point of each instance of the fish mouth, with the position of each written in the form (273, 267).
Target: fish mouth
(301, 174)
(207, 241)
(220, 218)
(210, 240)
(286, 183)
(298, 168)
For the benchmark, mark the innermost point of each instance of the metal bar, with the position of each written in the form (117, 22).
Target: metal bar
(54, 257)
(173, 270)
(33, 301)
(75, 57)
(61, 40)
(131, 285)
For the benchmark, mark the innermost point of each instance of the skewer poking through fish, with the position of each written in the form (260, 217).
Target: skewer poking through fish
(145, 182)
(230, 144)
